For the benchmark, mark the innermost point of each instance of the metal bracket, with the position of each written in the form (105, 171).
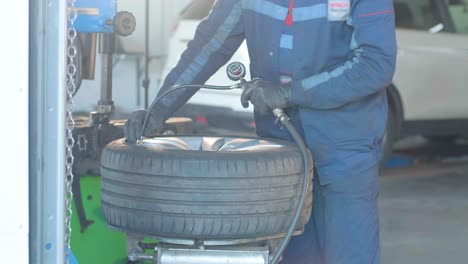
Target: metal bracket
(170, 254)
(82, 142)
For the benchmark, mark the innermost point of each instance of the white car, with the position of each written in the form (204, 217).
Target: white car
(430, 89)
(218, 108)
(429, 95)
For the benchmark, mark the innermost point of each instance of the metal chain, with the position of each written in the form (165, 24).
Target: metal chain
(70, 124)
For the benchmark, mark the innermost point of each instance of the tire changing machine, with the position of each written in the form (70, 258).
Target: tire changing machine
(101, 18)
(97, 24)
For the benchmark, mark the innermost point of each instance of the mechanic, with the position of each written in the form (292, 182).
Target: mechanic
(327, 63)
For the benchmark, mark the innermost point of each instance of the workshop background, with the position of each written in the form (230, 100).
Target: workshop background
(129, 61)
(424, 197)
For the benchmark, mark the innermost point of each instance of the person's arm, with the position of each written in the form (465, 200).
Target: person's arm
(370, 69)
(216, 39)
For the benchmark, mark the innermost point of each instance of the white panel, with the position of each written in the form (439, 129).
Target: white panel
(163, 14)
(14, 151)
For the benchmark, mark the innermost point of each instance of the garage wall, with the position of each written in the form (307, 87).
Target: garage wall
(14, 198)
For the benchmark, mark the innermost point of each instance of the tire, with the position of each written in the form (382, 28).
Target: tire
(391, 133)
(233, 188)
(442, 140)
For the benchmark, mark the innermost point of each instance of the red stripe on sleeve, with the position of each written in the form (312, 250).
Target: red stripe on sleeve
(376, 13)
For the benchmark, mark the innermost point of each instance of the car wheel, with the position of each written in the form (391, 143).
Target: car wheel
(203, 187)
(448, 139)
(391, 134)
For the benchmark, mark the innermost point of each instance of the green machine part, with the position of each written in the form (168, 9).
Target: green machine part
(98, 244)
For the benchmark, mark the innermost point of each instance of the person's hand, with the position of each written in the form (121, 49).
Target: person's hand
(266, 96)
(133, 129)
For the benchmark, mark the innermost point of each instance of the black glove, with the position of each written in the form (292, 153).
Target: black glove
(266, 96)
(134, 126)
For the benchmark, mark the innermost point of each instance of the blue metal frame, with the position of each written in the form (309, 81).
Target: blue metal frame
(93, 14)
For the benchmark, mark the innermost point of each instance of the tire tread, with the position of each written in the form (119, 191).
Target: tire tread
(241, 178)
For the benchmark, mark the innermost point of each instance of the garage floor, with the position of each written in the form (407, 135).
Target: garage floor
(424, 207)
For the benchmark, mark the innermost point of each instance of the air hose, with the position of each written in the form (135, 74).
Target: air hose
(284, 119)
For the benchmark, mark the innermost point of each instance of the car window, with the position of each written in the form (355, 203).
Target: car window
(197, 9)
(458, 10)
(416, 14)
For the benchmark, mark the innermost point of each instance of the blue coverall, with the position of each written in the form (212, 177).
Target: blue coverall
(340, 57)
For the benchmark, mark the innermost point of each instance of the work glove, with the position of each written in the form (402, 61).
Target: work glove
(266, 96)
(133, 129)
